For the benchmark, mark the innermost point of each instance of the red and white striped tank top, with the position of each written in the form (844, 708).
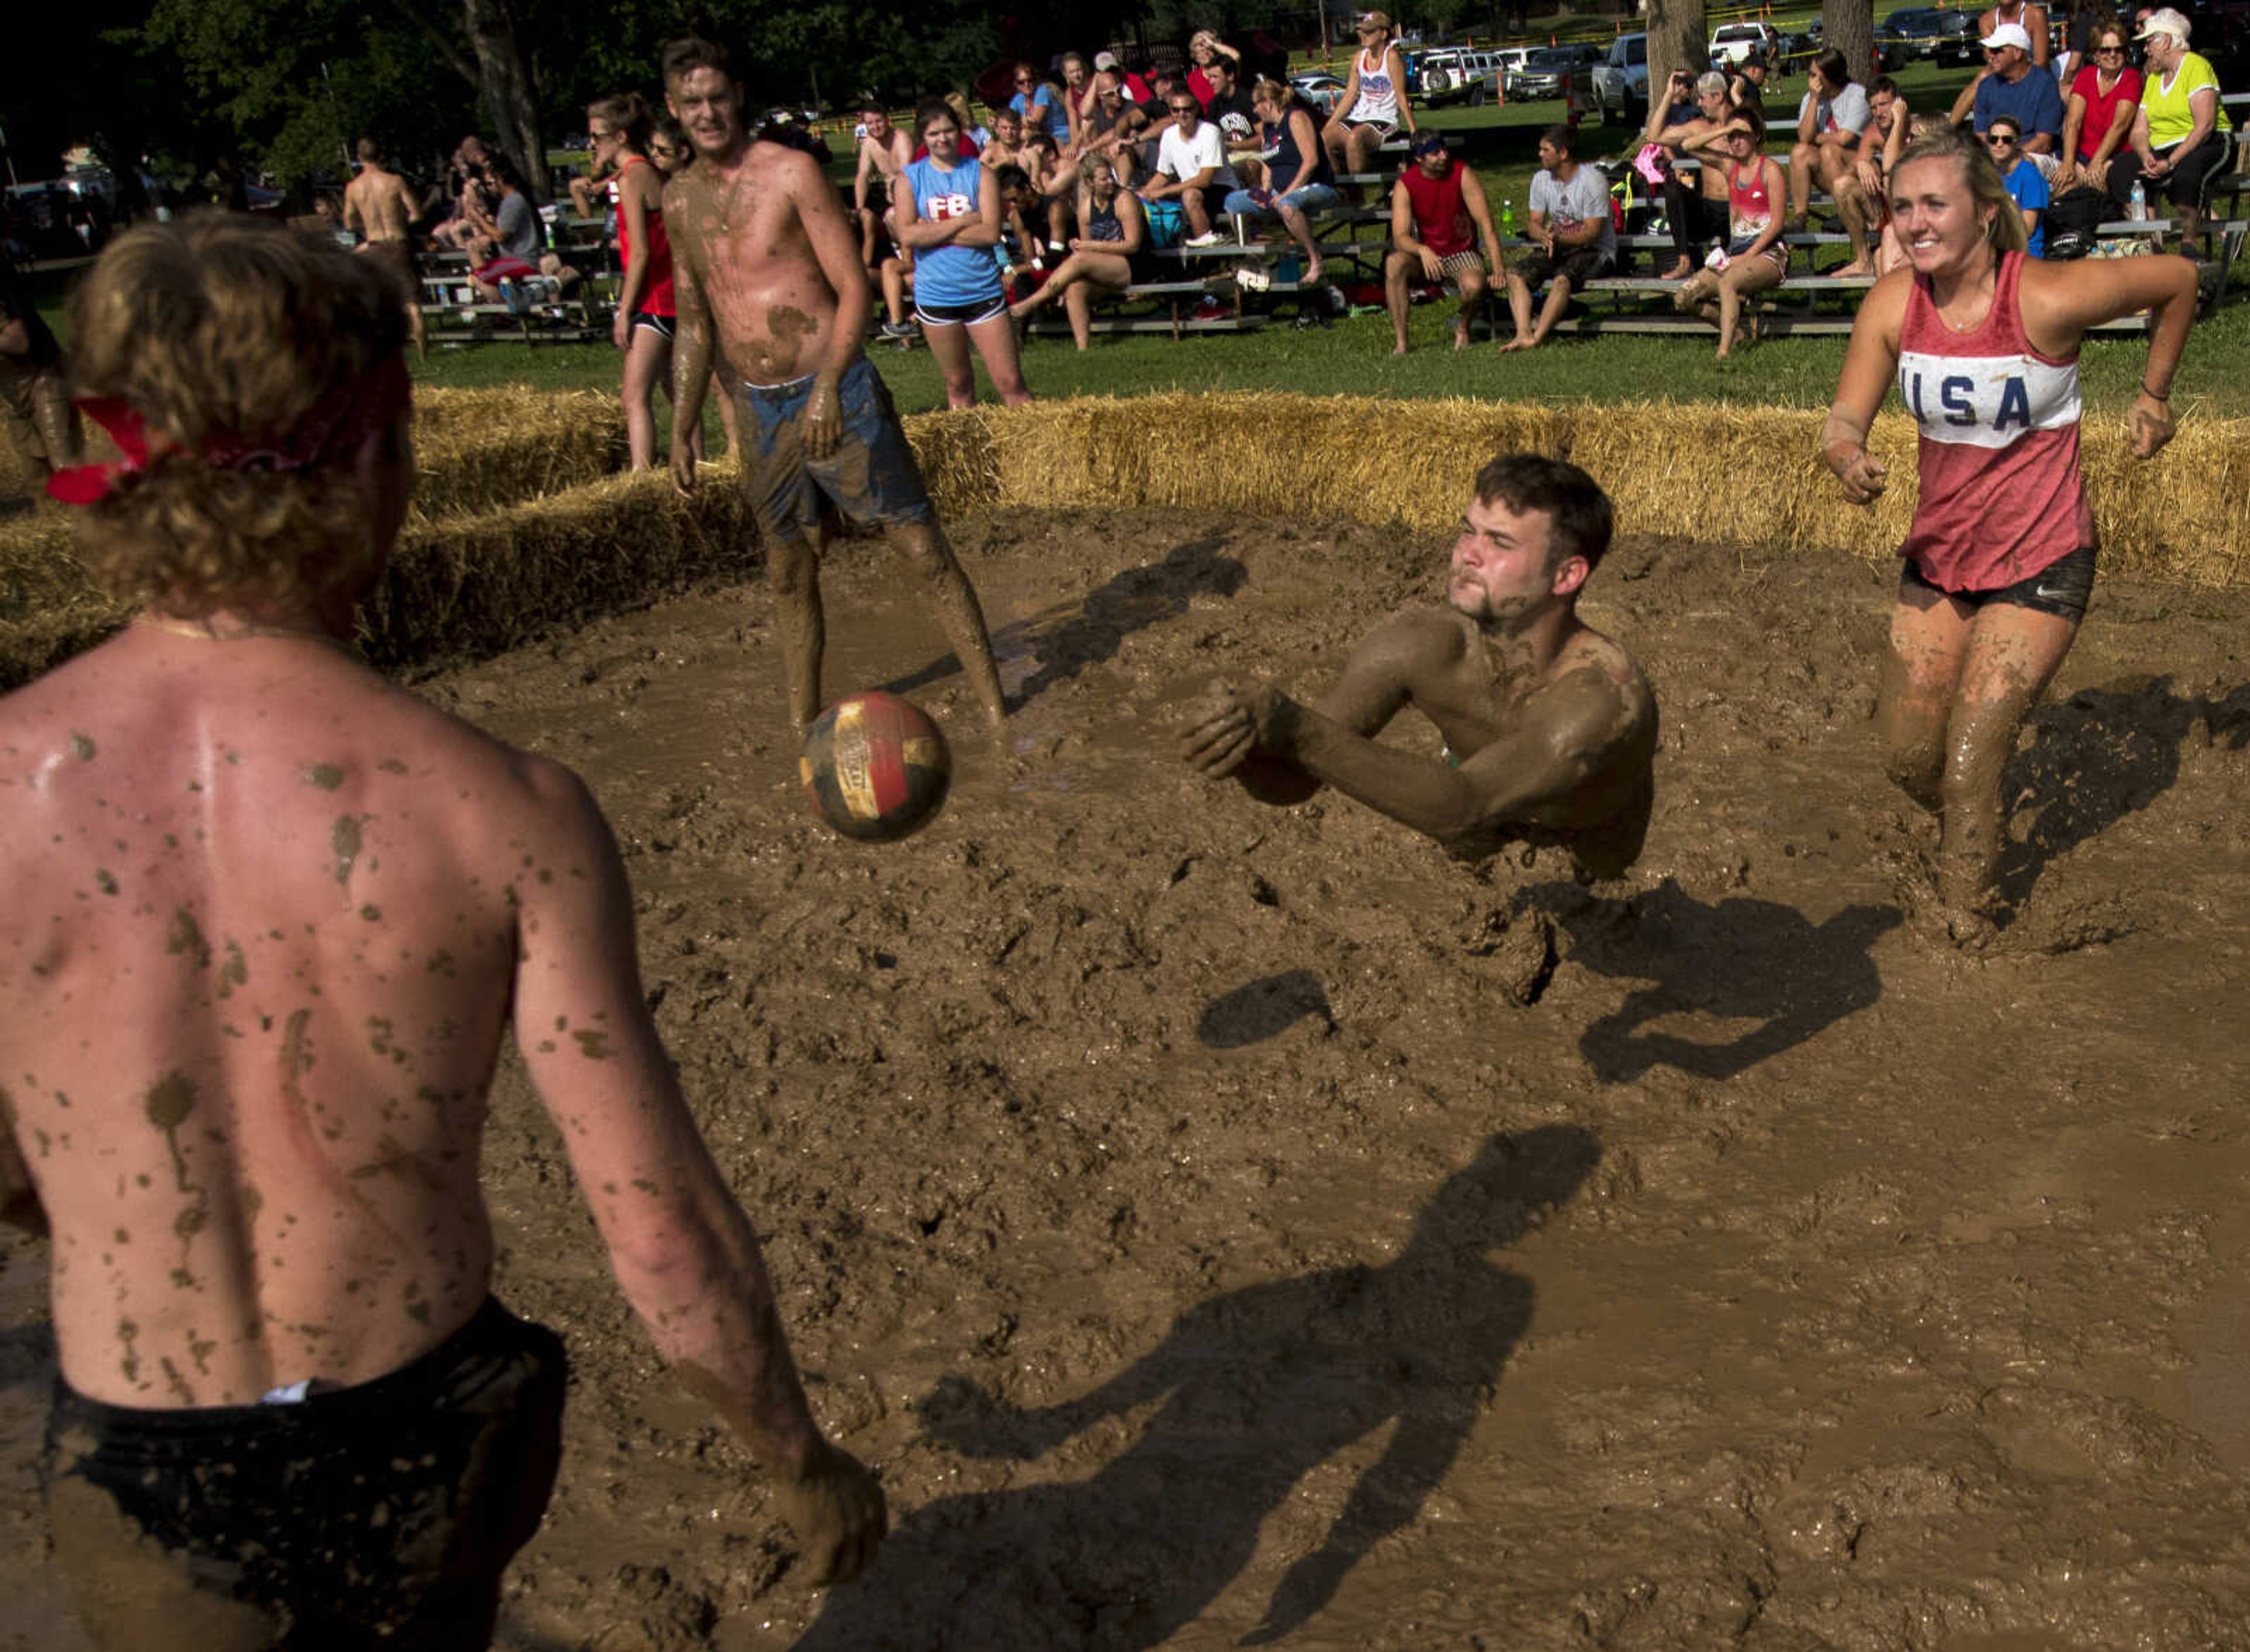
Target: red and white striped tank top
(2001, 494)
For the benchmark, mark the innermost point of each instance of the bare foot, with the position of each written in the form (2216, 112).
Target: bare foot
(1856, 267)
(1398, 349)
(1461, 335)
(1315, 274)
(1725, 347)
(1679, 271)
(1519, 342)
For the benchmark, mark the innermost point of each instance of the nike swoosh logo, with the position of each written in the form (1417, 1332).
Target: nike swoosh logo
(2041, 591)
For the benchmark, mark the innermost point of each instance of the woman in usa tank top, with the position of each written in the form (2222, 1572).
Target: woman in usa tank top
(1983, 344)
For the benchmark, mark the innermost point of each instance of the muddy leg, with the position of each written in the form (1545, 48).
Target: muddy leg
(793, 573)
(1930, 640)
(2012, 655)
(923, 544)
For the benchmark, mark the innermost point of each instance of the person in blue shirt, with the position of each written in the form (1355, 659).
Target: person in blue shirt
(2026, 183)
(2012, 85)
(1037, 102)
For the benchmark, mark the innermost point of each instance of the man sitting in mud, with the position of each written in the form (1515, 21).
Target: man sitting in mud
(268, 918)
(767, 269)
(1549, 727)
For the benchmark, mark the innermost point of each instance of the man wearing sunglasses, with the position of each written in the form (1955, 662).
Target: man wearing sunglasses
(1192, 169)
(2011, 85)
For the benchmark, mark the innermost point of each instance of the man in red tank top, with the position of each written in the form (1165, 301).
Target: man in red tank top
(1438, 217)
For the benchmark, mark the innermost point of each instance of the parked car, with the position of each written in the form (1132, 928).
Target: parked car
(1548, 72)
(1322, 90)
(1732, 42)
(1938, 36)
(1620, 81)
(1454, 74)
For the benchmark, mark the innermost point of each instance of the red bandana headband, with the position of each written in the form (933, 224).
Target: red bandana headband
(332, 429)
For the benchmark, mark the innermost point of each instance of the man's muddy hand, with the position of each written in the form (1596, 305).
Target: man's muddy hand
(823, 424)
(2152, 425)
(1221, 730)
(835, 1509)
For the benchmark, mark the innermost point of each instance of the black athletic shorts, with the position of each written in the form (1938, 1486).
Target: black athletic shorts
(379, 1515)
(2062, 588)
(961, 315)
(663, 326)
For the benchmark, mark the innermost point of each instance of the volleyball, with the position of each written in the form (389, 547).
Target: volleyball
(875, 766)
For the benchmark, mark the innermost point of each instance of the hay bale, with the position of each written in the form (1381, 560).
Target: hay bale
(481, 450)
(469, 587)
(1751, 476)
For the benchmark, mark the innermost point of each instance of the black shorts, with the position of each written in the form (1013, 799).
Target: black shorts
(1578, 266)
(2062, 588)
(663, 326)
(377, 1515)
(961, 315)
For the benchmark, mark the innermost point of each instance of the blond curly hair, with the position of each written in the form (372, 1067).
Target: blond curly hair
(219, 328)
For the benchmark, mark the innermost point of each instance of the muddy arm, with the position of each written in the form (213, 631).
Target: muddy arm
(680, 1246)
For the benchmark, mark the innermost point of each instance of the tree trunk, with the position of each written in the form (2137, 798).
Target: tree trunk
(1677, 39)
(1849, 26)
(504, 84)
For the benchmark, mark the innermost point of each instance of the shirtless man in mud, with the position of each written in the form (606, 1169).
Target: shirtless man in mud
(766, 267)
(379, 206)
(269, 916)
(1549, 727)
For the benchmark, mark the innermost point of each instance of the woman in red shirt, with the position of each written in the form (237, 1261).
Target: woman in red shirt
(646, 317)
(2098, 119)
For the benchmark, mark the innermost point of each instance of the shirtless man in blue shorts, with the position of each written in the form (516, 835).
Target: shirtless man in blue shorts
(767, 270)
(269, 916)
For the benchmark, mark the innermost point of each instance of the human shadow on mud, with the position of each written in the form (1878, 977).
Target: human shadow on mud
(1068, 637)
(1263, 1009)
(1737, 958)
(2102, 754)
(27, 1357)
(1253, 1390)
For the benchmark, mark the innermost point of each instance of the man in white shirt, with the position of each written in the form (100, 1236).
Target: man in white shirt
(1191, 168)
(1572, 240)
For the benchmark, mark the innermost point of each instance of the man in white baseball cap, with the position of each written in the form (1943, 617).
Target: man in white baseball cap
(2012, 85)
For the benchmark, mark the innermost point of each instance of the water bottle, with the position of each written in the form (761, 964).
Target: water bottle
(2136, 204)
(1507, 220)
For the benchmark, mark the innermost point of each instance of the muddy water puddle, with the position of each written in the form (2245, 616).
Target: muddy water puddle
(1171, 1197)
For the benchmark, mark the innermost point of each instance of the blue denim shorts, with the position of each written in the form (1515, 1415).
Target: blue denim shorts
(870, 479)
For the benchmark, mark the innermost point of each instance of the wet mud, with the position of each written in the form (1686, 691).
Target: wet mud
(1226, 1226)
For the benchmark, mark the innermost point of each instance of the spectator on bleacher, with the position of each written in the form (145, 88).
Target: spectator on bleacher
(1373, 104)
(379, 207)
(884, 153)
(2179, 132)
(1829, 122)
(508, 246)
(1297, 178)
(646, 317)
(1038, 103)
(1004, 147)
(2026, 184)
(1055, 181)
(1747, 89)
(1229, 108)
(1439, 219)
(1192, 174)
(1572, 239)
(469, 193)
(2097, 122)
(2027, 19)
(1755, 257)
(2011, 84)
(1205, 51)
(1108, 255)
(1135, 89)
(1694, 205)
(1077, 85)
(1115, 132)
(1889, 124)
(950, 221)
(35, 400)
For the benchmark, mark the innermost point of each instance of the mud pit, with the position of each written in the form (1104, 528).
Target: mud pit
(1169, 1195)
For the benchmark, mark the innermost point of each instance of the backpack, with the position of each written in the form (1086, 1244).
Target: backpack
(2071, 221)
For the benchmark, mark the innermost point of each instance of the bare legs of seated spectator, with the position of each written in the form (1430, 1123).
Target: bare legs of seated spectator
(1073, 283)
(1858, 211)
(1400, 269)
(1718, 295)
(1353, 147)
